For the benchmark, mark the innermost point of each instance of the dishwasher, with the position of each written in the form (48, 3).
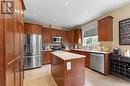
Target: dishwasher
(97, 62)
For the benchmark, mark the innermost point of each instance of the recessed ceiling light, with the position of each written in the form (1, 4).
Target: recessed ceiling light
(55, 19)
(66, 3)
(34, 15)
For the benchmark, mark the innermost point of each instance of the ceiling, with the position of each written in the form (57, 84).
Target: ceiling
(68, 13)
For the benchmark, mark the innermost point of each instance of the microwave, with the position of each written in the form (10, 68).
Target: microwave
(57, 39)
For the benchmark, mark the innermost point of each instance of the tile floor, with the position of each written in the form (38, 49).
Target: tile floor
(42, 77)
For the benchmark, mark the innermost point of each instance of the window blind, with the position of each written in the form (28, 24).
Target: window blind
(91, 32)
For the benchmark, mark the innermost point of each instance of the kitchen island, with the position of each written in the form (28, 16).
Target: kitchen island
(68, 69)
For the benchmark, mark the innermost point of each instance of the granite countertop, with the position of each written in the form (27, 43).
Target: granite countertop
(67, 56)
(47, 50)
(93, 51)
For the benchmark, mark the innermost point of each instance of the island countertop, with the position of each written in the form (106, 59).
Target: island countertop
(66, 55)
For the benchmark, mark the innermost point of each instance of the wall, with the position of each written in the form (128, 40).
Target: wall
(119, 14)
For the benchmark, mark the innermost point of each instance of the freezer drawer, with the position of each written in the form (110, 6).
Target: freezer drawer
(32, 62)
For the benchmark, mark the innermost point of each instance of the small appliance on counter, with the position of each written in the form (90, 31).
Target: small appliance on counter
(117, 51)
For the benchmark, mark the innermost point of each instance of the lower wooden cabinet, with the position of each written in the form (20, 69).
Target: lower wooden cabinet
(10, 75)
(87, 54)
(21, 71)
(17, 73)
(46, 57)
(2, 78)
(87, 59)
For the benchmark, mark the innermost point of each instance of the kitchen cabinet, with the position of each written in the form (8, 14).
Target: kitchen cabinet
(10, 74)
(87, 58)
(120, 66)
(2, 78)
(105, 29)
(68, 76)
(1, 40)
(9, 39)
(46, 35)
(46, 57)
(32, 28)
(17, 73)
(70, 37)
(77, 36)
(12, 46)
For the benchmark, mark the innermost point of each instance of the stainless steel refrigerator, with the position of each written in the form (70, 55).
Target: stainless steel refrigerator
(33, 51)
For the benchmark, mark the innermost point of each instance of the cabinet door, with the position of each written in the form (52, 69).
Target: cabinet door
(46, 35)
(21, 71)
(10, 75)
(87, 59)
(2, 78)
(9, 39)
(46, 57)
(17, 73)
(17, 38)
(105, 32)
(70, 37)
(32, 29)
(1, 41)
(21, 26)
(64, 36)
(77, 36)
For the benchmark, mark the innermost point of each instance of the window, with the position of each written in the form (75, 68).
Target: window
(90, 38)
(90, 41)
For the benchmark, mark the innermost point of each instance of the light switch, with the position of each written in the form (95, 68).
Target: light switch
(68, 64)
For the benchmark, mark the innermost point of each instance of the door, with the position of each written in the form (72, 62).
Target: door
(17, 73)
(1, 41)
(10, 75)
(9, 39)
(2, 77)
(21, 71)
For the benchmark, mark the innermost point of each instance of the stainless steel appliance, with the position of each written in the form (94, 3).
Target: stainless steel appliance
(97, 62)
(33, 48)
(57, 39)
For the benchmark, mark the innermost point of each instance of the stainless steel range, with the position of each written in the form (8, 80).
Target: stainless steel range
(33, 51)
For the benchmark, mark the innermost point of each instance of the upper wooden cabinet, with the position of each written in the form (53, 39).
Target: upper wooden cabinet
(46, 35)
(77, 36)
(105, 29)
(32, 29)
(70, 36)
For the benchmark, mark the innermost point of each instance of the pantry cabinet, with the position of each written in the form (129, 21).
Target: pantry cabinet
(105, 29)
(12, 46)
